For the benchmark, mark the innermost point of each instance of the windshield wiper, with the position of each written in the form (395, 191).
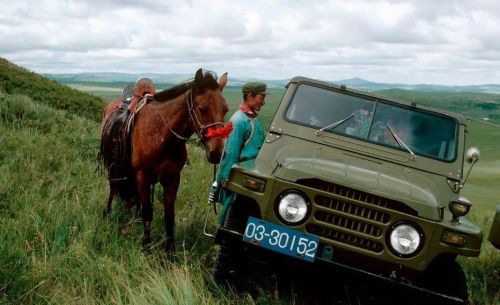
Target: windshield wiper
(400, 142)
(318, 132)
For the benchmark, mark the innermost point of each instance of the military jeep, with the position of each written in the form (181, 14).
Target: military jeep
(350, 185)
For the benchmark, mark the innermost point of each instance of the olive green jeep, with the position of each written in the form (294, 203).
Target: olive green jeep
(351, 185)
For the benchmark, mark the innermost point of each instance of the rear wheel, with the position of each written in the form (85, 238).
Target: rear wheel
(444, 275)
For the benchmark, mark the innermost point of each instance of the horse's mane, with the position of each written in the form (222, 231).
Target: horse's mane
(173, 92)
(210, 83)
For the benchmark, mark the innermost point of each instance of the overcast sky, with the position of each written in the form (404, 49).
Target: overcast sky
(421, 41)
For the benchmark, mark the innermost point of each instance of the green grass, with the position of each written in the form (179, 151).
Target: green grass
(17, 80)
(57, 249)
(483, 189)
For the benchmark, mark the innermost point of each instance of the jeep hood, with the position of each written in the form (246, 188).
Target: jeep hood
(411, 186)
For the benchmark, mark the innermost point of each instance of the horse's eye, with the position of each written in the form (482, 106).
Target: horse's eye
(202, 109)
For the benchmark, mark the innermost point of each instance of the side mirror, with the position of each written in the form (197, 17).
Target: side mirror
(472, 155)
(494, 236)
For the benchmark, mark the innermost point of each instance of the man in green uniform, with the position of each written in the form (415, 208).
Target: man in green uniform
(245, 140)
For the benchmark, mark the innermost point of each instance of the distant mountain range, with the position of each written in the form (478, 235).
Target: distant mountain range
(160, 79)
(175, 78)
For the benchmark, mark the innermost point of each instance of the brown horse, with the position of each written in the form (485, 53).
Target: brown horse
(111, 107)
(158, 143)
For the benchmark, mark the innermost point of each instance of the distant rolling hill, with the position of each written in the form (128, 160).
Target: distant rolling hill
(163, 80)
(362, 84)
(18, 80)
(475, 101)
(484, 107)
(175, 78)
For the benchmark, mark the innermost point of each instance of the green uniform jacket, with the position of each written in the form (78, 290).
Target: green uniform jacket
(243, 143)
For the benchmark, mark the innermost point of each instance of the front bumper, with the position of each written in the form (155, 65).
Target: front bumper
(381, 288)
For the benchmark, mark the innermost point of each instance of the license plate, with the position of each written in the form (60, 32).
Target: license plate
(281, 239)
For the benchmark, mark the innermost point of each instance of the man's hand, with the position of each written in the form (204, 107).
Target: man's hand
(214, 193)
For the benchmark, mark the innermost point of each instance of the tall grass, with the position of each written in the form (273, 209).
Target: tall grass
(55, 247)
(18, 80)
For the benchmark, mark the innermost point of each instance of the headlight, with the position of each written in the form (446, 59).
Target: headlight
(292, 208)
(405, 239)
(459, 207)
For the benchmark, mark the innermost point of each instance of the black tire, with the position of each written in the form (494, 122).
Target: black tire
(226, 269)
(229, 264)
(444, 275)
(232, 264)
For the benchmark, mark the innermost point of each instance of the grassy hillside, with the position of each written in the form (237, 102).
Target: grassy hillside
(55, 246)
(57, 249)
(17, 80)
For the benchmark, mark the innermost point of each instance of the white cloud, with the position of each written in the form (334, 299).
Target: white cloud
(396, 41)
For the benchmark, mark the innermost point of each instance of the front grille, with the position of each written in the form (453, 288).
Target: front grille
(352, 209)
(352, 216)
(336, 219)
(346, 238)
(348, 223)
(350, 193)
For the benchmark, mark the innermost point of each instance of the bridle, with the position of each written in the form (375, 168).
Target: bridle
(198, 127)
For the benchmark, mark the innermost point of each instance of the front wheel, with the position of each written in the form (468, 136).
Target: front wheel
(446, 276)
(227, 267)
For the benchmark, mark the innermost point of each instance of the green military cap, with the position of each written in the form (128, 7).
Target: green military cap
(255, 88)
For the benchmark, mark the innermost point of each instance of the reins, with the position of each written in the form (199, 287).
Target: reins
(178, 136)
(197, 126)
(200, 130)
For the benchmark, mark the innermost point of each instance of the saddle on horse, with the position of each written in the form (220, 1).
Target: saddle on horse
(142, 87)
(116, 150)
(127, 95)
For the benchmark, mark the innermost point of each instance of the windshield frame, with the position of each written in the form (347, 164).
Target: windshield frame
(377, 100)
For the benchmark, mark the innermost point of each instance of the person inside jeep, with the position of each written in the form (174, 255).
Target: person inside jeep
(361, 123)
(245, 140)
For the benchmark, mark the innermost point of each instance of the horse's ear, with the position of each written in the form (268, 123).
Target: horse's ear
(199, 79)
(223, 81)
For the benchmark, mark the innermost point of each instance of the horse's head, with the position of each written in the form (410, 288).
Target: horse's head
(209, 109)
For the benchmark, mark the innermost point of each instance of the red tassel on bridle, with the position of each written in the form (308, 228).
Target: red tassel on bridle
(223, 132)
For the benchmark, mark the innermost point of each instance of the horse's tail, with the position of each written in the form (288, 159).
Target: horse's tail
(105, 136)
(127, 191)
(114, 155)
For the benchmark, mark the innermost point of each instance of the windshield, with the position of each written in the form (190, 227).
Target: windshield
(424, 133)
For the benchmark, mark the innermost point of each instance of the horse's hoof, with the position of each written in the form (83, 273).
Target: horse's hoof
(169, 247)
(146, 245)
(138, 211)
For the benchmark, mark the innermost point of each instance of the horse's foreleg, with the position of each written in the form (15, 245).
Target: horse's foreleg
(147, 208)
(170, 186)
